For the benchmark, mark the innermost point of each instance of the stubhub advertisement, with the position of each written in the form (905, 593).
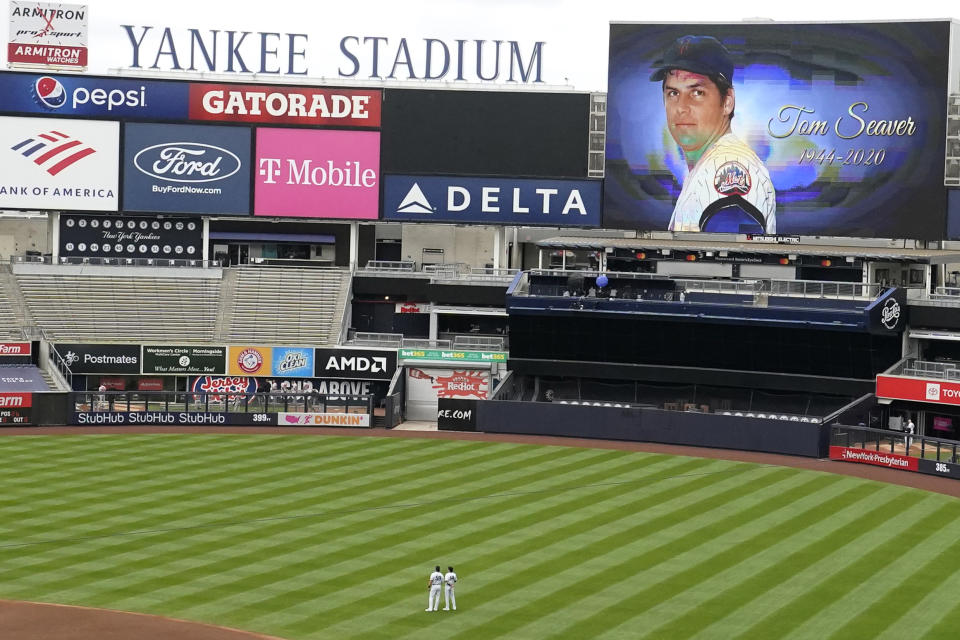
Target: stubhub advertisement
(313, 173)
(557, 203)
(186, 169)
(70, 95)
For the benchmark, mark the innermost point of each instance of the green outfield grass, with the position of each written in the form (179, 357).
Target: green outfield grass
(322, 537)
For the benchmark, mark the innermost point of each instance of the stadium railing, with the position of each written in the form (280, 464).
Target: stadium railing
(218, 402)
(889, 441)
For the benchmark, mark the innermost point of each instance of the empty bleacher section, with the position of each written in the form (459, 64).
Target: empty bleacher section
(287, 305)
(9, 323)
(113, 304)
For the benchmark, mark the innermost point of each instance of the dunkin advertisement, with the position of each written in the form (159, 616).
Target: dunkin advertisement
(807, 129)
(312, 173)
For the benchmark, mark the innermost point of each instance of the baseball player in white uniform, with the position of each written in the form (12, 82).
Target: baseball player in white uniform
(727, 187)
(435, 583)
(449, 592)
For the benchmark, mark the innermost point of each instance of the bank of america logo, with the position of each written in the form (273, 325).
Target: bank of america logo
(415, 202)
(56, 150)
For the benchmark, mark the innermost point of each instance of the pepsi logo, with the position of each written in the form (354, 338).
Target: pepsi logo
(49, 92)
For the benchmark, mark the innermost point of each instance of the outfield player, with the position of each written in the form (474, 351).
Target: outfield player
(449, 595)
(434, 583)
(727, 188)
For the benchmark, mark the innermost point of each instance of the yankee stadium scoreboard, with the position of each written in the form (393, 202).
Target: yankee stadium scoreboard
(16, 409)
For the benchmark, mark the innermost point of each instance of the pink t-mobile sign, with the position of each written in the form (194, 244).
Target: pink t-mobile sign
(311, 173)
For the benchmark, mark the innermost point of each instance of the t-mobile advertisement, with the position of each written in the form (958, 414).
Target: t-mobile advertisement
(807, 129)
(312, 173)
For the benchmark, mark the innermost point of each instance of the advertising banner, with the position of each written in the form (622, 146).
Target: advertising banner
(14, 349)
(826, 129)
(303, 106)
(15, 408)
(453, 356)
(59, 164)
(450, 383)
(47, 34)
(249, 361)
(130, 237)
(918, 390)
(888, 314)
(876, 458)
(73, 95)
(355, 364)
(184, 359)
(100, 358)
(174, 418)
(513, 201)
(224, 384)
(313, 173)
(323, 419)
(413, 307)
(186, 169)
(937, 468)
(456, 415)
(292, 362)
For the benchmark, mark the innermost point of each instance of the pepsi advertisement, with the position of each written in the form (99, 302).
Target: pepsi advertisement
(799, 129)
(72, 95)
(492, 201)
(183, 168)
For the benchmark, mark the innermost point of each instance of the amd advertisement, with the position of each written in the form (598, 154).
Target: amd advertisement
(516, 201)
(186, 169)
(130, 237)
(806, 129)
(355, 364)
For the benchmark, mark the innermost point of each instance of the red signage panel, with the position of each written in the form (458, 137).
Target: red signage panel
(44, 54)
(918, 390)
(876, 458)
(14, 348)
(305, 106)
(15, 400)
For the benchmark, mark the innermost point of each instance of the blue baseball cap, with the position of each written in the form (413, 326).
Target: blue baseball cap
(699, 54)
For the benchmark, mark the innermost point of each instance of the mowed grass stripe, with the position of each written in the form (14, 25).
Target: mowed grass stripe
(792, 555)
(900, 597)
(516, 568)
(681, 576)
(794, 613)
(406, 526)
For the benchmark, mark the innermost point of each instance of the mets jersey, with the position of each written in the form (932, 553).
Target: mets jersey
(728, 175)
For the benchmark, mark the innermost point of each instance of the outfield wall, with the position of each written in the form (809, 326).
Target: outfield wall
(640, 424)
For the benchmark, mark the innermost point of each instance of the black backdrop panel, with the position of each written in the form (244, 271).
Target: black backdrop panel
(485, 133)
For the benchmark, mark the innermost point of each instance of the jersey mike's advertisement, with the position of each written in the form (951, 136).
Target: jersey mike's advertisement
(808, 129)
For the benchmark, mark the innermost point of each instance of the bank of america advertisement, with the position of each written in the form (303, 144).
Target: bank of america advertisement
(59, 164)
(812, 129)
(557, 203)
(186, 169)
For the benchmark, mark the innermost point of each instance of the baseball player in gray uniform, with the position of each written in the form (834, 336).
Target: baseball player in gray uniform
(449, 595)
(434, 583)
(727, 187)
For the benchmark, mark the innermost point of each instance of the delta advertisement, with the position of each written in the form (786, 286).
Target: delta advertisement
(59, 164)
(806, 129)
(186, 169)
(72, 95)
(557, 203)
(312, 173)
(47, 34)
(305, 106)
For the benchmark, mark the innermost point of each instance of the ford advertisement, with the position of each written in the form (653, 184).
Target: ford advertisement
(180, 168)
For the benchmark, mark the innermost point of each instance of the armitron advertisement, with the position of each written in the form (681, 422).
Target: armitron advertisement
(47, 34)
(317, 173)
(807, 129)
(303, 106)
(186, 169)
(59, 164)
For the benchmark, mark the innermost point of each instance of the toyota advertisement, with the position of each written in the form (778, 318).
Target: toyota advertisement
(186, 169)
(59, 164)
(303, 106)
(71, 95)
(313, 173)
(514, 201)
(805, 129)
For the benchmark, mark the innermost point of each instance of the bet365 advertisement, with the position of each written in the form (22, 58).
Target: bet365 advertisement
(807, 129)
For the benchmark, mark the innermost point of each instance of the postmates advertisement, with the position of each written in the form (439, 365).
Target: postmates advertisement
(249, 361)
(314, 173)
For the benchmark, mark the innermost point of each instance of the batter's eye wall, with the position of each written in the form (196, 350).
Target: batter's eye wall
(485, 133)
(702, 345)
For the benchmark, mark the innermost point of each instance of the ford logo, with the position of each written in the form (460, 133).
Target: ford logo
(186, 162)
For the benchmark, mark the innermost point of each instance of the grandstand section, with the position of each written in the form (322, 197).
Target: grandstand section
(9, 323)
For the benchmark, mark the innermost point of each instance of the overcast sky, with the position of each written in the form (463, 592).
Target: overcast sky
(575, 31)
